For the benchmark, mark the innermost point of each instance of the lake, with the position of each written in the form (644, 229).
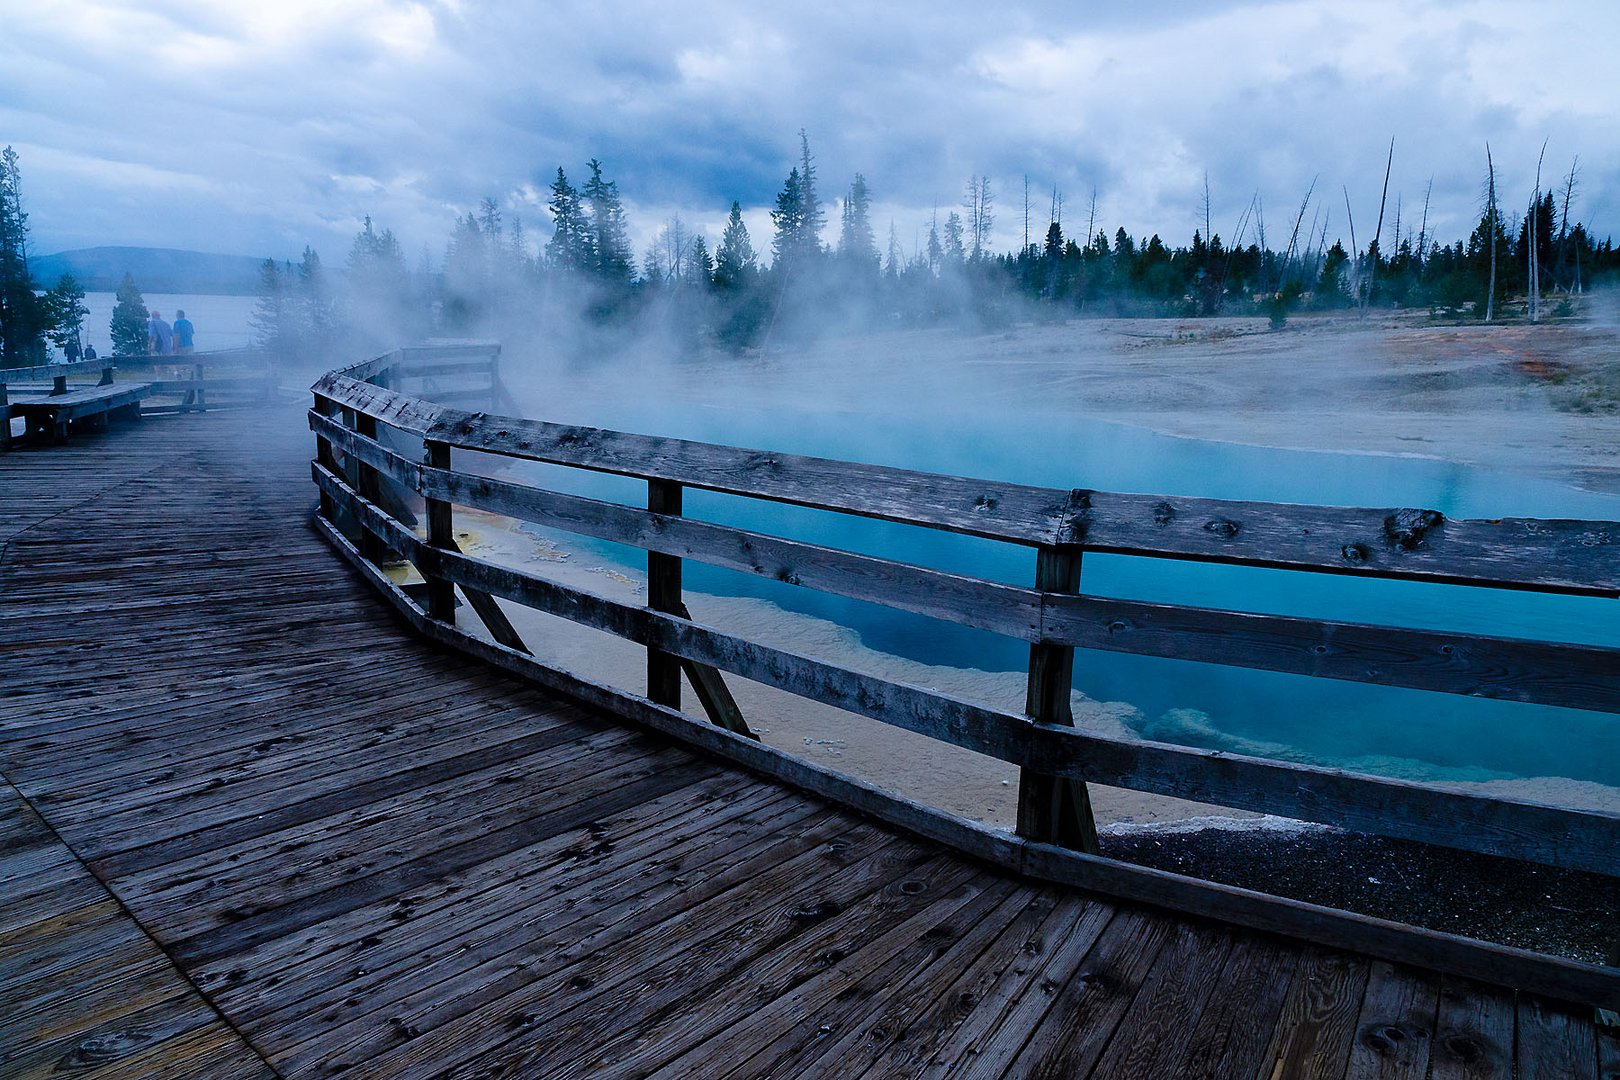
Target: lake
(222, 322)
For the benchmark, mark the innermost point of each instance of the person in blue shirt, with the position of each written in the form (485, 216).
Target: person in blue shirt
(159, 335)
(183, 333)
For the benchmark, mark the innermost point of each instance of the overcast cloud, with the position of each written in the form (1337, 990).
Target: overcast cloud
(258, 128)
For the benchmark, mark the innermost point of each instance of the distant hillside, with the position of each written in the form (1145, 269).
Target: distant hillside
(156, 270)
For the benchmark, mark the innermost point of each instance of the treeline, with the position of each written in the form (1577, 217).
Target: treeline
(723, 290)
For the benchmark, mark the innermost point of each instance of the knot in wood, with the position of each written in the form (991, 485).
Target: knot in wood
(1225, 528)
(984, 504)
(1163, 514)
(1406, 528)
(761, 461)
(1355, 554)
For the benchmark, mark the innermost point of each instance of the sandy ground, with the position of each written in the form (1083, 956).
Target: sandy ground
(1387, 385)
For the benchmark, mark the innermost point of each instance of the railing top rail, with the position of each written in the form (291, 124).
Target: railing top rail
(1539, 554)
(55, 371)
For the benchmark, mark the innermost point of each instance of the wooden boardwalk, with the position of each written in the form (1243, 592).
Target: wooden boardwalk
(252, 827)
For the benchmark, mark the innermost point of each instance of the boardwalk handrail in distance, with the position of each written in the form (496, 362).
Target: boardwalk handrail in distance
(361, 475)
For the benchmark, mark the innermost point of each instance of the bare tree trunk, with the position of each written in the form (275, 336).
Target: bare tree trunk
(1423, 229)
(1563, 218)
(1532, 231)
(1026, 212)
(1293, 237)
(1490, 225)
(1373, 251)
(1355, 249)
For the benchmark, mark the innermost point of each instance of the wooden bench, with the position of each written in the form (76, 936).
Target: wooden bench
(49, 414)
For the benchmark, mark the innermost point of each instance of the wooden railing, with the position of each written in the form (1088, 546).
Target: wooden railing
(234, 378)
(12, 379)
(361, 417)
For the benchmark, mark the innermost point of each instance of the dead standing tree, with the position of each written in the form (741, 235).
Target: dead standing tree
(1532, 234)
(1373, 252)
(1491, 229)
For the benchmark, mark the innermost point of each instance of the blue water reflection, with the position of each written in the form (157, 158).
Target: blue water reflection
(1398, 732)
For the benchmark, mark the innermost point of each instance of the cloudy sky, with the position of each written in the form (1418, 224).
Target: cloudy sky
(257, 128)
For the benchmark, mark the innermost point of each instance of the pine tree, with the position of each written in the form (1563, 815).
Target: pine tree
(810, 212)
(610, 239)
(856, 244)
(735, 263)
(65, 309)
(570, 245)
(128, 325)
(23, 318)
(379, 285)
(955, 253)
(317, 314)
(788, 217)
(699, 266)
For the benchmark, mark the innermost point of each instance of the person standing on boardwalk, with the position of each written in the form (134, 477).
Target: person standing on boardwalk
(183, 332)
(159, 335)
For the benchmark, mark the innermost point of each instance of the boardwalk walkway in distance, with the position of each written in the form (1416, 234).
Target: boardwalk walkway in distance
(374, 859)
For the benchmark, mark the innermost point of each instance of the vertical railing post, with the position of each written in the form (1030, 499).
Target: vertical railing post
(325, 458)
(5, 419)
(370, 489)
(1054, 810)
(202, 393)
(441, 593)
(664, 594)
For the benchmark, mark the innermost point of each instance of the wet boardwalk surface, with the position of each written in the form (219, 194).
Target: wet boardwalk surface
(251, 827)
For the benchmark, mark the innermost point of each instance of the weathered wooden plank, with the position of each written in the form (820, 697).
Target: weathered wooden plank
(486, 1007)
(971, 601)
(1088, 1007)
(910, 1022)
(1547, 554)
(262, 926)
(1512, 669)
(1552, 1042)
(1473, 1037)
(794, 1034)
(663, 594)
(1396, 1028)
(1236, 1026)
(612, 865)
(1154, 1032)
(50, 372)
(316, 1002)
(389, 407)
(792, 965)
(1318, 1023)
(1053, 810)
(441, 600)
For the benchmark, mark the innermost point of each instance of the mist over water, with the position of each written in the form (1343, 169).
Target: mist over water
(968, 411)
